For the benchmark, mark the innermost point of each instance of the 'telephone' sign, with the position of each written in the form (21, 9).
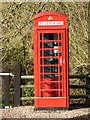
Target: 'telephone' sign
(47, 23)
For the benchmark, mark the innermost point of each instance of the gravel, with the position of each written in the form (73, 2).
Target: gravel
(29, 112)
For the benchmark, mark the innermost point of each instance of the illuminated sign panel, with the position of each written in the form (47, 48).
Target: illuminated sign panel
(48, 23)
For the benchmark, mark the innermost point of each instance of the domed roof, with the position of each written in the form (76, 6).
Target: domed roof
(49, 13)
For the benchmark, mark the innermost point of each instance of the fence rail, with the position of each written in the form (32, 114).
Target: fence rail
(18, 77)
(26, 98)
(79, 76)
(27, 86)
(32, 76)
(78, 86)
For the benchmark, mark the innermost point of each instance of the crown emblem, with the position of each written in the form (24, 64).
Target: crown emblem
(50, 18)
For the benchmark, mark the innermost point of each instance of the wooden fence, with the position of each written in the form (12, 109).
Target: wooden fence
(17, 84)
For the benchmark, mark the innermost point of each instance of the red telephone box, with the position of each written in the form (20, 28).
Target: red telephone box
(51, 60)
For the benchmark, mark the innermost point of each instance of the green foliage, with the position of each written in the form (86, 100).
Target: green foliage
(17, 25)
(27, 92)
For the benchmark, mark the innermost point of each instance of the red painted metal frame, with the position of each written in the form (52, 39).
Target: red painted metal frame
(50, 101)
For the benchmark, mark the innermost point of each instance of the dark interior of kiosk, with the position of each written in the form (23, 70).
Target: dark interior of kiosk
(54, 52)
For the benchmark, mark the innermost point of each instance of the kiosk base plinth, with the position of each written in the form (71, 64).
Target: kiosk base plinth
(51, 102)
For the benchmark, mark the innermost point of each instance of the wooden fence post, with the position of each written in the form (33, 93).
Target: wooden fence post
(6, 88)
(17, 83)
(88, 92)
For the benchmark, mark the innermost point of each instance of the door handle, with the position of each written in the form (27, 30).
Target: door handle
(63, 61)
